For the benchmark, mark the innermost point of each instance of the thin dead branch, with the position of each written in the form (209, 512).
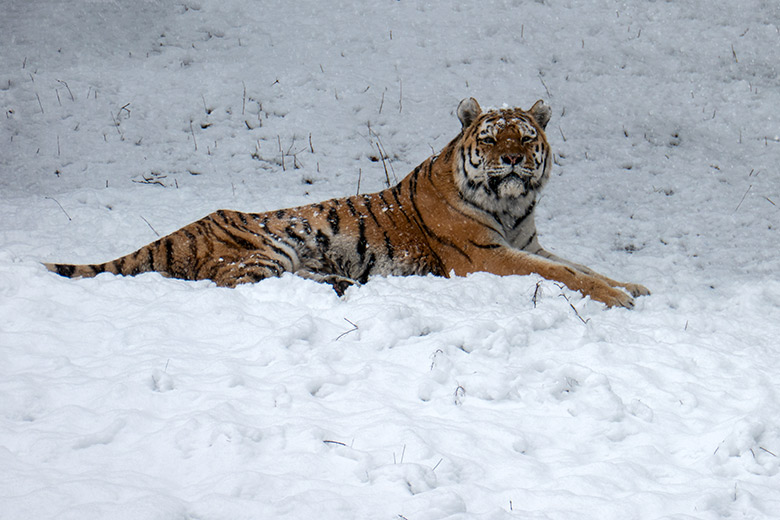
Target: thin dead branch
(743, 198)
(353, 329)
(60, 205)
(194, 141)
(537, 293)
(333, 442)
(150, 227)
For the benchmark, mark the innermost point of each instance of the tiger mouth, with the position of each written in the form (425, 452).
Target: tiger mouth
(511, 171)
(497, 180)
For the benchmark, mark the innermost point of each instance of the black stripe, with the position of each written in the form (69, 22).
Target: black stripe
(261, 219)
(367, 205)
(168, 245)
(251, 277)
(381, 195)
(386, 206)
(272, 254)
(429, 169)
(351, 207)
(193, 242)
(528, 242)
(65, 270)
(471, 184)
(333, 220)
(416, 171)
(306, 226)
(413, 183)
(489, 213)
(279, 213)
(281, 252)
(150, 257)
(428, 231)
(362, 243)
(439, 271)
(269, 263)
(530, 209)
(290, 232)
(485, 246)
(470, 217)
(231, 223)
(494, 182)
(396, 192)
(447, 152)
(203, 229)
(240, 241)
(323, 242)
(363, 278)
(389, 246)
(467, 157)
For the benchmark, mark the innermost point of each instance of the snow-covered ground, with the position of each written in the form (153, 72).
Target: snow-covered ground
(417, 398)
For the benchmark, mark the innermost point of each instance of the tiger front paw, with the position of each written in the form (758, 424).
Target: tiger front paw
(615, 298)
(609, 296)
(636, 289)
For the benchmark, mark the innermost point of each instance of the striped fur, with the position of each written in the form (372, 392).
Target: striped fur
(469, 208)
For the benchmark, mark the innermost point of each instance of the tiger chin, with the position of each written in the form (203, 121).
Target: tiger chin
(468, 209)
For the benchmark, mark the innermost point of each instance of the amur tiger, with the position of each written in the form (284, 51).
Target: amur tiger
(470, 208)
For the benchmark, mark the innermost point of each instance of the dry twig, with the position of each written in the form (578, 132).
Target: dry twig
(353, 329)
(60, 205)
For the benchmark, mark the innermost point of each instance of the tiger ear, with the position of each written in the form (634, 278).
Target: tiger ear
(468, 111)
(541, 113)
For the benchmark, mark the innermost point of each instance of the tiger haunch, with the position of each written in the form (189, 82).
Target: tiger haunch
(470, 208)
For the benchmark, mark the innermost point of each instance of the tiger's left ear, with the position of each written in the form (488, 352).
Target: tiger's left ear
(541, 113)
(468, 111)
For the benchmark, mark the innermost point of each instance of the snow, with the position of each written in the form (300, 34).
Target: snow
(417, 398)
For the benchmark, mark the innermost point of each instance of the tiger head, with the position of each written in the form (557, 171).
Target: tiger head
(505, 155)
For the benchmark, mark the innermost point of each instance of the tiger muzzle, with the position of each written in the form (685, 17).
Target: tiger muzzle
(512, 159)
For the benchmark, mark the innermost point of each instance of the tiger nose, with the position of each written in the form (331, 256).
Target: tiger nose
(512, 159)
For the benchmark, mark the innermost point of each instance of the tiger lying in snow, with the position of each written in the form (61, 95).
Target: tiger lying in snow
(469, 208)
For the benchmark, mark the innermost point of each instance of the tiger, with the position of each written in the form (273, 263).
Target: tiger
(469, 208)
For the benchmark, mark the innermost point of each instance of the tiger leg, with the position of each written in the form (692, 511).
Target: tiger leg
(230, 270)
(634, 289)
(508, 261)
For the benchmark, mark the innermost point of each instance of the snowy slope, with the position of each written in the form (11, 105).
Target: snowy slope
(416, 398)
